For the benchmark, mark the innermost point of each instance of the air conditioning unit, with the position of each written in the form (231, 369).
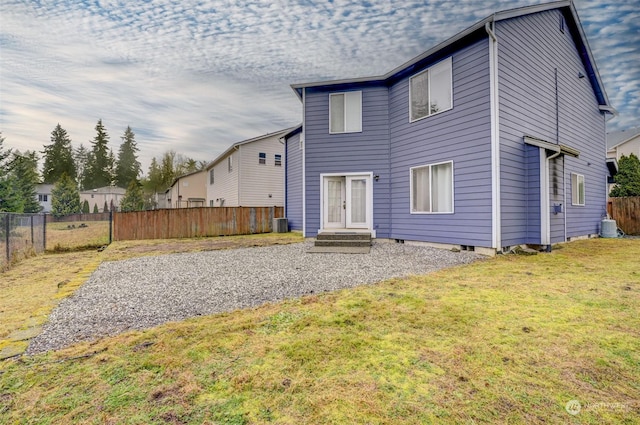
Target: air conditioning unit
(280, 225)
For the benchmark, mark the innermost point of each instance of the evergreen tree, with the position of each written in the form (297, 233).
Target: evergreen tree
(128, 166)
(81, 158)
(628, 178)
(133, 199)
(99, 167)
(105, 208)
(10, 197)
(65, 198)
(85, 207)
(95, 209)
(58, 157)
(24, 168)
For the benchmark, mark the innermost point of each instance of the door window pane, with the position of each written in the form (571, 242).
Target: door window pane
(334, 198)
(358, 201)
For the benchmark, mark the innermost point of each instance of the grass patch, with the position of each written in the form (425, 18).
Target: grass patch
(66, 237)
(508, 340)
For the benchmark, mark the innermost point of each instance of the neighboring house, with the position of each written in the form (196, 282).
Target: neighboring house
(112, 195)
(491, 139)
(188, 191)
(623, 142)
(160, 199)
(43, 192)
(250, 173)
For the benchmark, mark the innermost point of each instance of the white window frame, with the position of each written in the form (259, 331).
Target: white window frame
(447, 61)
(262, 158)
(211, 176)
(347, 95)
(278, 160)
(575, 190)
(430, 166)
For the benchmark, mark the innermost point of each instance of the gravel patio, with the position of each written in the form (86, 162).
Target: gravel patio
(148, 291)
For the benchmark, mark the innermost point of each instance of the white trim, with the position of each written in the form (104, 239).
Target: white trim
(450, 62)
(496, 219)
(304, 163)
(370, 218)
(545, 225)
(344, 94)
(453, 201)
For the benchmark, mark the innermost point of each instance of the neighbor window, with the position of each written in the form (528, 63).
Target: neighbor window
(278, 160)
(211, 179)
(577, 189)
(230, 163)
(430, 92)
(432, 188)
(42, 198)
(345, 111)
(212, 203)
(262, 158)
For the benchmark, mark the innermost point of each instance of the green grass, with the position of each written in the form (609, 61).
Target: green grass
(507, 340)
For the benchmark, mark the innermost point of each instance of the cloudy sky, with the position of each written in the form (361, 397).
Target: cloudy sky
(195, 76)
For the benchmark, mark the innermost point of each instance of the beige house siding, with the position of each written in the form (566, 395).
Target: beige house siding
(224, 190)
(188, 191)
(627, 148)
(262, 184)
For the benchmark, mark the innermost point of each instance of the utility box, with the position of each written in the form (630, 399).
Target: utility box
(280, 225)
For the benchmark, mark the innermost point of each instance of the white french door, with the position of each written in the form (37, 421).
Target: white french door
(346, 201)
(334, 203)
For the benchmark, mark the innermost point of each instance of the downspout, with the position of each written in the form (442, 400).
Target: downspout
(496, 233)
(237, 148)
(284, 177)
(304, 166)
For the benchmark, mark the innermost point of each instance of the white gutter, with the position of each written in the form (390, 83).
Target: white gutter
(496, 231)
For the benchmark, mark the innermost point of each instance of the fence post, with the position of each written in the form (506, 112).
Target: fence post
(110, 226)
(32, 240)
(6, 233)
(44, 232)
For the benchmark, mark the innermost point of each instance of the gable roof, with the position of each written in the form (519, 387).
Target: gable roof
(244, 142)
(616, 138)
(448, 46)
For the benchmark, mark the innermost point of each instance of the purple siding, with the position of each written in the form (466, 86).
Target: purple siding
(462, 135)
(367, 151)
(293, 186)
(530, 49)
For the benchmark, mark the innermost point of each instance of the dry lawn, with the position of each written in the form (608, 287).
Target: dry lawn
(61, 237)
(508, 340)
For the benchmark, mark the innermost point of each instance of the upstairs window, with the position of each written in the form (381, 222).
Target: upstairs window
(430, 92)
(211, 179)
(262, 158)
(577, 189)
(432, 188)
(278, 160)
(345, 112)
(230, 163)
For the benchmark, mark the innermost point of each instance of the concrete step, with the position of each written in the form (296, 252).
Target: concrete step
(338, 242)
(328, 236)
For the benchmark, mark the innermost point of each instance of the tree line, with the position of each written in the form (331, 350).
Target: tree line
(72, 170)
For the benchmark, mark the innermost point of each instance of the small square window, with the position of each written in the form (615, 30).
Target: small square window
(211, 178)
(262, 158)
(278, 160)
(430, 92)
(345, 110)
(577, 189)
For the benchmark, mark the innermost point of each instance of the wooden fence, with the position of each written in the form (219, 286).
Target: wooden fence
(194, 222)
(626, 212)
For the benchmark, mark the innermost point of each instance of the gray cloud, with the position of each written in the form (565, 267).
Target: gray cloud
(197, 76)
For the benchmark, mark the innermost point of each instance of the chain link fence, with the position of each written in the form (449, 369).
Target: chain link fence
(21, 235)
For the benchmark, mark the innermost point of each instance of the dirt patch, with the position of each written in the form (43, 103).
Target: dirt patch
(178, 245)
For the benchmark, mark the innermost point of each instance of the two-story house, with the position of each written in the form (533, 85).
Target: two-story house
(491, 139)
(249, 173)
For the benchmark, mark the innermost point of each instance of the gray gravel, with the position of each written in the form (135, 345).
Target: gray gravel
(145, 292)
